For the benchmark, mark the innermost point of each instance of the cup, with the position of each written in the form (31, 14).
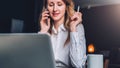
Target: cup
(95, 61)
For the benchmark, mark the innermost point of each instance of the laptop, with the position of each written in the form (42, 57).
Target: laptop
(26, 51)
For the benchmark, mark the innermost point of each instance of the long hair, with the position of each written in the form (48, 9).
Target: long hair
(68, 13)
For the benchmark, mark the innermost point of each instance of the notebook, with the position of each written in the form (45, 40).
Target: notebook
(21, 50)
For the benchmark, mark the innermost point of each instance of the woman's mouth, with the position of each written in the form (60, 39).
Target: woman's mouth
(55, 14)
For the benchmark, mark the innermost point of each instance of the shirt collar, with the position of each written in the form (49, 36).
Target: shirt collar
(60, 28)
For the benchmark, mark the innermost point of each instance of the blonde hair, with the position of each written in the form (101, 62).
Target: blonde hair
(69, 12)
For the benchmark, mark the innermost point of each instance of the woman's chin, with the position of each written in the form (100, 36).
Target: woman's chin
(55, 19)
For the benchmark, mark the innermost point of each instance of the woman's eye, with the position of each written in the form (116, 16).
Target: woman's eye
(50, 4)
(59, 4)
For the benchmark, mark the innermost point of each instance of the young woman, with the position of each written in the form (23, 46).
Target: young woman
(63, 24)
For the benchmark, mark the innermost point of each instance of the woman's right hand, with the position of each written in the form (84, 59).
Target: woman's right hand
(45, 22)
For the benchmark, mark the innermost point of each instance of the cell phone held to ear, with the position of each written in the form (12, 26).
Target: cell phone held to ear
(48, 17)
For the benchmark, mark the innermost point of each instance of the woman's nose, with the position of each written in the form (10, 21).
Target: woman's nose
(55, 8)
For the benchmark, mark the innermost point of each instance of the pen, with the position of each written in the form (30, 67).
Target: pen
(78, 8)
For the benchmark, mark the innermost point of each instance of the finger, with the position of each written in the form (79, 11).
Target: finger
(74, 16)
(48, 20)
(46, 11)
(79, 14)
(45, 18)
(80, 17)
(46, 15)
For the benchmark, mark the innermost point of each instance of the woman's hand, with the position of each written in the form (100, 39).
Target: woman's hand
(45, 22)
(75, 20)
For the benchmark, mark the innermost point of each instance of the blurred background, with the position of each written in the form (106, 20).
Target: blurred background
(101, 19)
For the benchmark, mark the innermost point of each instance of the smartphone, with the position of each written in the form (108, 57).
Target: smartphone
(48, 17)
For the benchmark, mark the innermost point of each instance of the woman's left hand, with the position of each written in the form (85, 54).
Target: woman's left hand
(75, 20)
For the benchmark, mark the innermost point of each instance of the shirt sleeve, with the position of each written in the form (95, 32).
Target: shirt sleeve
(78, 47)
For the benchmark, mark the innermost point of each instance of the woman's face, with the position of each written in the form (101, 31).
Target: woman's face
(56, 9)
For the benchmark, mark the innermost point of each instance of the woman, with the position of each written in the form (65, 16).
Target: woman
(63, 24)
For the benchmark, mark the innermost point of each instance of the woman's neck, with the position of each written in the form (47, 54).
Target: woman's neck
(58, 23)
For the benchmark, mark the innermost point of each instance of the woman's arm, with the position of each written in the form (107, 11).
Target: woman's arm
(78, 47)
